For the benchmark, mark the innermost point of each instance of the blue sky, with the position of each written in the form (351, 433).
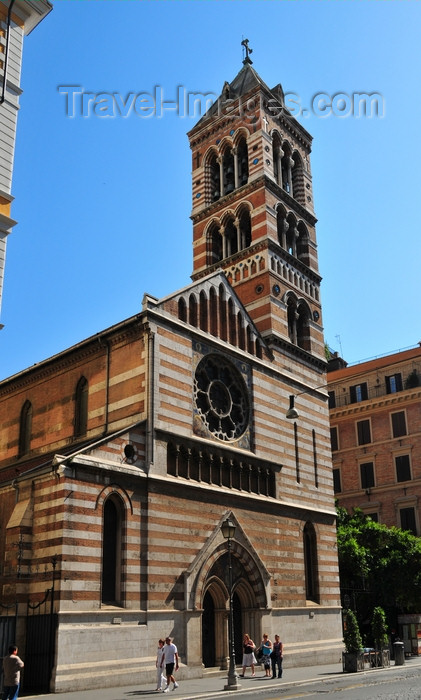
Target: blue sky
(103, 204)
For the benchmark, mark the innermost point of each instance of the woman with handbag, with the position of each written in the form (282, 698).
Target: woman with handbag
(266, 647)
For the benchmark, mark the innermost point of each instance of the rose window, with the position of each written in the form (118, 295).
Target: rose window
(221, 398)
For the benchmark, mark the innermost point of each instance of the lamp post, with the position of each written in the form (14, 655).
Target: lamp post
(228, 531)
(292, 412)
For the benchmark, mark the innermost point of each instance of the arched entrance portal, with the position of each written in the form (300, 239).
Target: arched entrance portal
(215, 605)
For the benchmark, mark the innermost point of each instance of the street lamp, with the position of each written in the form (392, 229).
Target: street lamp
(292, 412)
(228, 531)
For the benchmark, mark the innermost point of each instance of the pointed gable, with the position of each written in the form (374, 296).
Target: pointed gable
(212, 306)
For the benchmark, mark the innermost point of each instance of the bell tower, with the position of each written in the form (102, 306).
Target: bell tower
(253, 213)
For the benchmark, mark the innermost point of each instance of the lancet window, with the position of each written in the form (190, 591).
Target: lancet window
(81, 407)
(310, 563)
(25, 428)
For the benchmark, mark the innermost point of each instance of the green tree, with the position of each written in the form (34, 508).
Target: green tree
(376, 564)
(379, 628)
(352, 636)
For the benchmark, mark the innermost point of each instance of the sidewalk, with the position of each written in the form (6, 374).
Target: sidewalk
(213, 686)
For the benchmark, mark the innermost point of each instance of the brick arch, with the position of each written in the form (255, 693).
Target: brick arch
(227, 142)
(227, 215)
(241, 132)
(211, 151)
(251, 570)
(114, 489)
(244, 206)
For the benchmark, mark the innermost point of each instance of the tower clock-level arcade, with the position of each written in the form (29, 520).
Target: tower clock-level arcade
(128, 451)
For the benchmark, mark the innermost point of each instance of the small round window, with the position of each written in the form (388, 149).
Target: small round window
(221, 398)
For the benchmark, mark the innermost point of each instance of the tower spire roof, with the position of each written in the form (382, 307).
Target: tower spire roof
(245, 80)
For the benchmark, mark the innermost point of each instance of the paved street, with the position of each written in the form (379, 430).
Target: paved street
(393, 683)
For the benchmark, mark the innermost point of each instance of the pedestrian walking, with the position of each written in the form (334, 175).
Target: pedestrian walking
(266, 647)
(170, 658)
(277, 656)
(160, 678)
(249, 658)
(12, 665)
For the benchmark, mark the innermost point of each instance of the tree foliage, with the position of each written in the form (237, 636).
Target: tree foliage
(352, 636)
(378, 563)
(379, 628)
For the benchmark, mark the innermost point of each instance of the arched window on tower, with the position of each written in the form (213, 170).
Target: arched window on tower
(231, 238)
(291, 235)
(228, 171)
(297, 175)
(303, 251)
(213, 173)
(214, 244)
(292, 318)
(310, 563)
(277, 154)
(245, 229)
(281, 227)
(81, 407)
(242, 162)
(286, 168)
(25, 429)
(303, 327)
(112, 552)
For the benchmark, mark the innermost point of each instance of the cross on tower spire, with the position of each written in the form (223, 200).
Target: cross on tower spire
(245, 44)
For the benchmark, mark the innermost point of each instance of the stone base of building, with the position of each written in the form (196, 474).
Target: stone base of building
(117, 651)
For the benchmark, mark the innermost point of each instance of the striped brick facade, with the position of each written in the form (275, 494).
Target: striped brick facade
(141, 440)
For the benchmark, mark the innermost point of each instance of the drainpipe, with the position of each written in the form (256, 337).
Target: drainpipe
(6, 52)
(150, 384)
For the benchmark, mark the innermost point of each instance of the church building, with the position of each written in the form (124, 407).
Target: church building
(122, 456)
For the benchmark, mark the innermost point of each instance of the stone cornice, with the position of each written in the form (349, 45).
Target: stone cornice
(294, 262)
(289, 201)
(295, 352)
(371, 405)
(228, 199)
(225, 264)
(262, 181)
